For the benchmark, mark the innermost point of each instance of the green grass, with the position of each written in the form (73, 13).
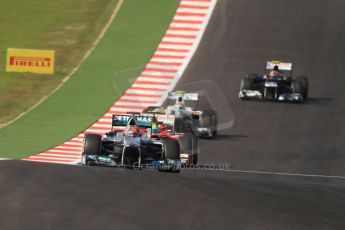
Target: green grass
(67, 26)
(103, 77)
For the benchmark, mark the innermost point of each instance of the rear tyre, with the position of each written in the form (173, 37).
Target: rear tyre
(171, 150)
(179, 125)
(209, 120)
(186, 144)
(206, 122)
(195, 159)
(214, 127)
(305, 85)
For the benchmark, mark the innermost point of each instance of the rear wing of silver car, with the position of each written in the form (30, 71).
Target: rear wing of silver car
(183, 95)
(188, 99)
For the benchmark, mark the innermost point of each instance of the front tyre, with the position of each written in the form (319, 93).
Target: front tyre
(297, 88)
(305, 86)
(247, 83)
(92, 146)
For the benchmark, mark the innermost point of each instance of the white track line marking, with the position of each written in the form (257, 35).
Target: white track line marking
(288, 174)
(270, 173)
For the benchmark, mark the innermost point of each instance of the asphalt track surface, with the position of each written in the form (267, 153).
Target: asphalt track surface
(278, 138)
(275, 137)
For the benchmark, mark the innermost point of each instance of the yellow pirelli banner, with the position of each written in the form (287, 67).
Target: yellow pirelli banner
(34, 61)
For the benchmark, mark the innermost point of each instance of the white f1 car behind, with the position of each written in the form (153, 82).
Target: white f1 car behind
(183, 105)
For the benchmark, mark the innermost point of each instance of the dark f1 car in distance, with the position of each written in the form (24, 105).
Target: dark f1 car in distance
(135, 146)
(277, 84)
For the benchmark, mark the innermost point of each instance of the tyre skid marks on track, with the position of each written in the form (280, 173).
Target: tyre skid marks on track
(160, 76)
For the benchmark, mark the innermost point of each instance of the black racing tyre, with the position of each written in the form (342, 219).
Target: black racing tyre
(186, 143)
(305, 85)
(214, 127)
(195, 159)
(247, 83)
(92, 144)
(171, 149)
(209, 119)
(205, 121)
(297, 87)
(179, 125)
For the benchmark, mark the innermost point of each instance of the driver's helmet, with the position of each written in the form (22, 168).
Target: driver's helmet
(155, 128)
(179, 106)
(133, 131)
(161, 126)
(274, 72)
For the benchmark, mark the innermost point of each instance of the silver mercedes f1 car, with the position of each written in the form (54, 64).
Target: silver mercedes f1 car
(135, 146)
